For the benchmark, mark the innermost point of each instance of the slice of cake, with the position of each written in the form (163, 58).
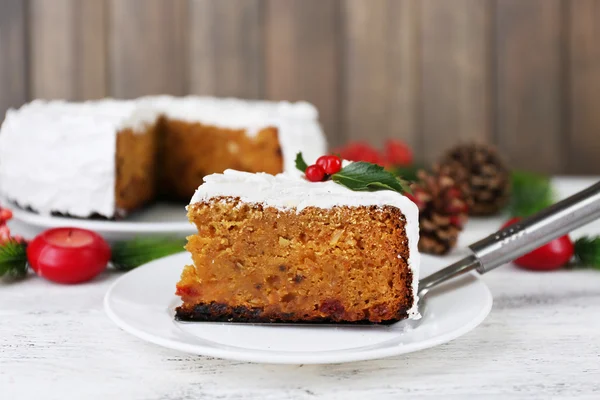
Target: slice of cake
(109, 157)
(282, 249)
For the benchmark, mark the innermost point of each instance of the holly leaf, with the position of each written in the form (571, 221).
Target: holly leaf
(364, 176)
(407, 172)
(13, 260)
(300, 163)
(130, 254)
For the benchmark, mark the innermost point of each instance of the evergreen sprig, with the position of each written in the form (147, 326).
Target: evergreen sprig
(587, 252)
(531, 193)
(13, 260)
(129, 254)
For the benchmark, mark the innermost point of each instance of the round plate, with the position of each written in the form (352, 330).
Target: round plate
(142, 303)
(160, 218)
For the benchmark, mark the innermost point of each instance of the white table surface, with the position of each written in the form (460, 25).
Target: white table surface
(541, 340)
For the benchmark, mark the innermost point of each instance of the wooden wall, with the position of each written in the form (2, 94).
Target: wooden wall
(524, 74)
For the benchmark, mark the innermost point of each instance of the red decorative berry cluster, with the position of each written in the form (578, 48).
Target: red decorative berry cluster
(395, 153)
(5, 216)
(323, 168)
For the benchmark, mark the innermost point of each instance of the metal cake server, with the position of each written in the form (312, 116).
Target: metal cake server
(522, 237)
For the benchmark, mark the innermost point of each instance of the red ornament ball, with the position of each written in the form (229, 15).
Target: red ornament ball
(330, 164)
(68, 255)
(315, 173)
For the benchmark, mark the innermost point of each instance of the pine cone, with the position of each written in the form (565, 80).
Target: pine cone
(442, 211)
(482, 175)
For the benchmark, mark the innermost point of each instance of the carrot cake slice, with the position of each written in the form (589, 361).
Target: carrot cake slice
(282, 249)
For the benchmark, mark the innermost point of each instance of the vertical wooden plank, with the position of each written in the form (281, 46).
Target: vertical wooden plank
(67, 49)
(584, 90)
(147, 47)
(91, 48)
(456, 73)
(380, 70)
(226, 47)
(302, 60)
(13, 66)
(528, 83)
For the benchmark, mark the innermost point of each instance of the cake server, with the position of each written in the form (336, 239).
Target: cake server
(516, 240)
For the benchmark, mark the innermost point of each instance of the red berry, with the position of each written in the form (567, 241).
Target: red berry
(330, 164)
(68, 255)
(315, 173)
(5, 214)
(551, 256)
(398, 153)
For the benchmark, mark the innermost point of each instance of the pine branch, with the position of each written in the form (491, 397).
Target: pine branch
(530, 193)
(13, 260)
(587, 252)
(127, 255)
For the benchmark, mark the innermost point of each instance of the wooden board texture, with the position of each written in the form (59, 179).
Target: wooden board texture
(523, 75)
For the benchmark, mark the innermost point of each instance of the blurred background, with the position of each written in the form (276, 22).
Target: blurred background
(521, 74)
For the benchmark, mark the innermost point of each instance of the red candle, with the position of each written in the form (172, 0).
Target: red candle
(68, 255)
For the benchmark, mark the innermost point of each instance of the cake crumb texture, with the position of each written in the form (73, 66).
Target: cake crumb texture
(169, 159)
(262, 264)
(191, 150)
(136, 168)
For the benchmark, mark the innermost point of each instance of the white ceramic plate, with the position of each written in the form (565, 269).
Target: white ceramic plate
(159, 219)
(142, 303)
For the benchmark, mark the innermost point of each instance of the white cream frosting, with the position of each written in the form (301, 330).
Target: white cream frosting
(287, 192)
(60, 156)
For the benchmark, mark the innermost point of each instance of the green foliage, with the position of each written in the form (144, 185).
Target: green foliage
(530, 193)
(300, 163)
(127, 255)
(587, 251)
(364, 176)
(13, 260)
(408, 173)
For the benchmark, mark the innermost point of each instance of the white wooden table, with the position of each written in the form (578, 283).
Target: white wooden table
(541, 340)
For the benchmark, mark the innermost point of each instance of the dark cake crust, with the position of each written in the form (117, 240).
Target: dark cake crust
(220, 312)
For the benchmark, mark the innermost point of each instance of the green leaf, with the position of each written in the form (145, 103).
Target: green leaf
(13, 260)
(300, 163)
(408, 172)
(127, 255)
(530, 193)
(364, 176)
(587, 252)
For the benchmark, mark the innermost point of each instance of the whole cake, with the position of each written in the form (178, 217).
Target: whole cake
(282, 249)
(109, 157)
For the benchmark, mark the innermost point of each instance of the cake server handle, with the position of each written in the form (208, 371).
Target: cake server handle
(524, 236)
